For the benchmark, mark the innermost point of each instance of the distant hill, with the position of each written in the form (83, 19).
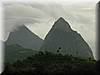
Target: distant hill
(25, 38)
(62, 39)
(16, 52)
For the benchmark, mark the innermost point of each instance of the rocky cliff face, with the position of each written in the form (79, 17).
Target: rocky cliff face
(61, 38)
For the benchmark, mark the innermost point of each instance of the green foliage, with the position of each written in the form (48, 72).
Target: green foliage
(47, 63)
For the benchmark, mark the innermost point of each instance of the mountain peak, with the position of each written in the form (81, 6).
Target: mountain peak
(69, 41)
(25, 38)
(61, 19)
(23, 27)
(62, 24)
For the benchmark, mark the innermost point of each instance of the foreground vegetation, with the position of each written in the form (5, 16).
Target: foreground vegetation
(48, 63)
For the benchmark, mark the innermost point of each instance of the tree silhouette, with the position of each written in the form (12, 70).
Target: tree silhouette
(59, 48)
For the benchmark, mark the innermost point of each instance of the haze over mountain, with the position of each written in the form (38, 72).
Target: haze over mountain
(25, 38)
(62, 39)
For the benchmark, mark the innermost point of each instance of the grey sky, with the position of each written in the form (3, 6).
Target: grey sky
(39, 18)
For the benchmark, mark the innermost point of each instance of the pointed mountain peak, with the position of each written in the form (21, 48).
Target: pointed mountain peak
(69, 41)
(25, 38)
(23, 27)
(62, 24)
(61, 19)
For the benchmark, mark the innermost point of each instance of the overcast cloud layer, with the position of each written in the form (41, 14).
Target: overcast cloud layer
(39, 18)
